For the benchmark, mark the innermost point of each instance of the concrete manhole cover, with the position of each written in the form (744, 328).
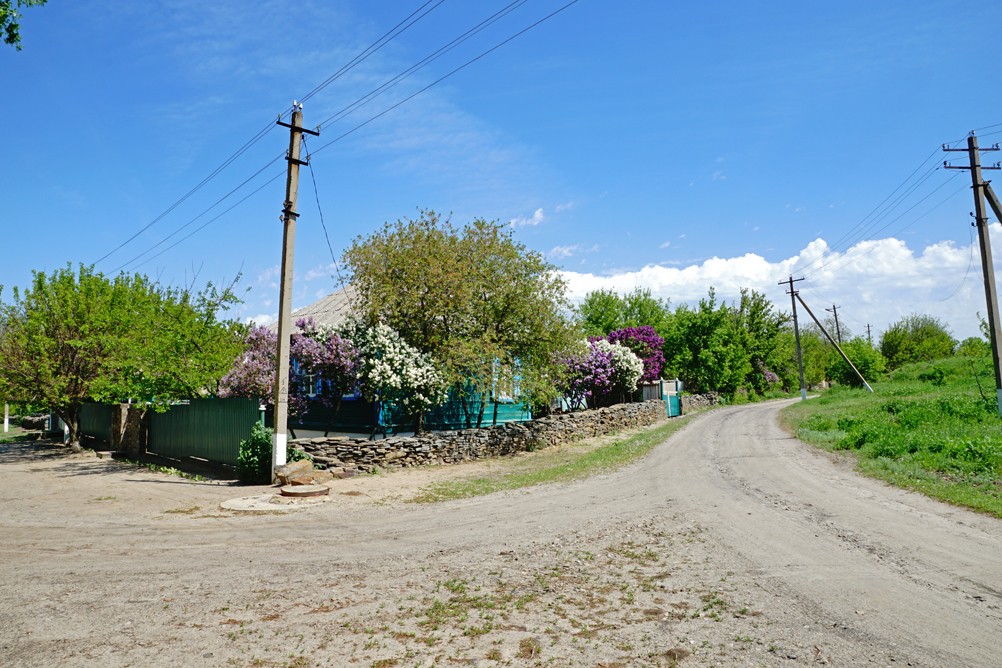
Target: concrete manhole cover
(300, 491)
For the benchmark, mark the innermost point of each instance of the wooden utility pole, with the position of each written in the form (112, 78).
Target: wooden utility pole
(289, 216)
(981, 221)
(796, 335)
(838, 330)
(869, 337)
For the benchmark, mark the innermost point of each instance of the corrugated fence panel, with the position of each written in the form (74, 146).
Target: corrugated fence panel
(206, 428)
(95, 421)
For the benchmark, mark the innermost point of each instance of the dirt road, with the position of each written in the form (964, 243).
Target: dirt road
(731, 544)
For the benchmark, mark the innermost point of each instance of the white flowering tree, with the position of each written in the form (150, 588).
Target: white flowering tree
(391, 370)
(627, 368)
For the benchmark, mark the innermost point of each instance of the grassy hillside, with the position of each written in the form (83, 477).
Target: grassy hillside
(926, 428)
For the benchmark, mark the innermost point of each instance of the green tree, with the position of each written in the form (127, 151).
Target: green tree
(916, 338)
(603, 311)
(867, 359)
(476, 300)
(641, 308)
(705, 348)
(74, 336)
(761, 324)
(600, 312)
(10, 19)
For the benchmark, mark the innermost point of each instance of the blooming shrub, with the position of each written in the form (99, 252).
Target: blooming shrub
(647, 345)
(322, 353)
(389, 369)
(253, 374)
(627, 367)
(600, 372)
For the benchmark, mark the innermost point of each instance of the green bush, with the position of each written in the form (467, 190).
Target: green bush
(254, 459)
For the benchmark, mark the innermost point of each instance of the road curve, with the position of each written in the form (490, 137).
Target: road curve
(903, 569)
(876, 573)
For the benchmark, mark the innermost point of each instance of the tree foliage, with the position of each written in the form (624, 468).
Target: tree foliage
(76, 335)
(600, 373)
(916, 338)
(705, 348)
(867, 359)
(604, 311)
(645, 344)
(10, 19)
(471, 298)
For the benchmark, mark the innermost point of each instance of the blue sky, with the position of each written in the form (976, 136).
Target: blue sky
(674, 146)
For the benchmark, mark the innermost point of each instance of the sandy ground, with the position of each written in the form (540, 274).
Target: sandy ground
(729, 545)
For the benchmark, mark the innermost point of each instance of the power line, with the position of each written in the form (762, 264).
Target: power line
(316, 194)
(446, 76)
(387, 37)
(435, 55)
(478, 28)
(375, 46)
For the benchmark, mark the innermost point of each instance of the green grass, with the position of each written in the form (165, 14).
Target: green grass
(926, 428)
(562, 466)
(13, 436)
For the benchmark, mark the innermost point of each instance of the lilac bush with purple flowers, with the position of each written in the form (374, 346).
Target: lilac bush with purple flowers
(600, 373)
(647, 345)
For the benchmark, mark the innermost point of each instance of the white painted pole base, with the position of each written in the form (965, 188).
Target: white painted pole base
(803, 394)
(278, 451)
(998, 396)
(6, 418)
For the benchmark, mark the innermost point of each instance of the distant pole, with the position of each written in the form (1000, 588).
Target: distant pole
(981, 221)
(796, 335)
(869, 337)
(289, 216)
(838, 330)
(6, 417)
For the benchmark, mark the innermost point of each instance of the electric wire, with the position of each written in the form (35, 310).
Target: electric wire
(372, 118)
(320, 211)
(386, 38)
(372, 48)
(445, 76)
(206, 211)
(846, 260)
(435, 55)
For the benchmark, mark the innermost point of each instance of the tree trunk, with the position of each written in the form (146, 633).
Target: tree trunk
(71, 418)
(495, 421)
(466, 410)
(419, 424)
(480, 414)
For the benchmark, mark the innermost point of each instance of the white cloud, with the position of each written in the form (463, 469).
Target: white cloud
(665, 244)
(874, 282)
(566, 206)
(263, 319)
(563, 251)
(323, 271)
(536, 218)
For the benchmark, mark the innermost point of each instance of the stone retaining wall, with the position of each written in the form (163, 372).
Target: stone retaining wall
(447, 447)
(693, 401)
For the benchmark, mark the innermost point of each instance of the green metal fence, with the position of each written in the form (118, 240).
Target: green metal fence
(206, 428)
(95, 421)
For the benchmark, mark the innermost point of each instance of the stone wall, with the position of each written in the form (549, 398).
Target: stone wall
(694, 401)
(447, 447)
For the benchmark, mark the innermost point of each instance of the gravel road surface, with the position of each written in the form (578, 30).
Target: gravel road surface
(731, 544)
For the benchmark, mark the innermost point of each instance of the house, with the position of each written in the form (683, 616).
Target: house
(358, 415)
